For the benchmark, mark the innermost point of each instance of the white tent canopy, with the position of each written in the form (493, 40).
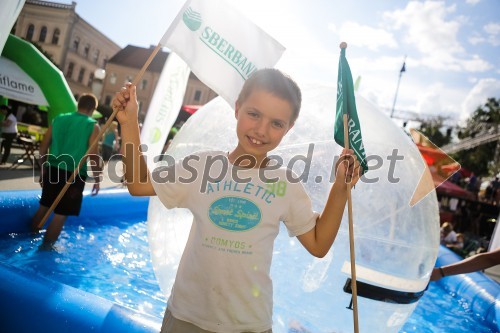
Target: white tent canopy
(17, 85)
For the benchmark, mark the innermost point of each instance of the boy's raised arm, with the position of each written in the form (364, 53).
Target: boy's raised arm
(319, 240)
(136, 172)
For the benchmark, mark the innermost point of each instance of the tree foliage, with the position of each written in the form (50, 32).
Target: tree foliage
(432, 129)
(485, 119)
(483, 159)
(45, 53)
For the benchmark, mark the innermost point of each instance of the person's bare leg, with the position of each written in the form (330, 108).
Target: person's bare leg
(54, 228)
(37, 218)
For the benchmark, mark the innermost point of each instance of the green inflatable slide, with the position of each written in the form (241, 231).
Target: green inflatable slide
(44, 72)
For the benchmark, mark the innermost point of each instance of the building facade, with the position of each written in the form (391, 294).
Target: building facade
(76, 47)
(79, 49)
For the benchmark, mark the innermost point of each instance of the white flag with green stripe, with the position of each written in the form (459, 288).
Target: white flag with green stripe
(220, 45)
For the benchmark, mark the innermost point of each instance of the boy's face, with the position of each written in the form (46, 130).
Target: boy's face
(262, 121)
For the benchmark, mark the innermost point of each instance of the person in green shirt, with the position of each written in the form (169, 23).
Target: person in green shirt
(64, 144)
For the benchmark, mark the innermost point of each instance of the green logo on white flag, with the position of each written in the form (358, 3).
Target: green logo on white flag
(154, 135)
(192, 19)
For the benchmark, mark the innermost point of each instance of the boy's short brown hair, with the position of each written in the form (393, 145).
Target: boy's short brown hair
(87, 102)
(275, 82)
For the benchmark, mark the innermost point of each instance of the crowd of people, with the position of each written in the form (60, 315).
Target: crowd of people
(483, 189)
(492, 192)
(468, 219)
(462, 244)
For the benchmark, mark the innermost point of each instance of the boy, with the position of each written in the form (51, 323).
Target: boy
(69, 137)
(228, 288)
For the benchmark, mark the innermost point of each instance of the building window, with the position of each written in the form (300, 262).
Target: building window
(81, 74)
(69, 71)
(104, 62)
(76, 44)
(144, 84)
(43, 34)
(30, 32)
(86, 50)
(107, 100)
(197, 95)
(112, 78)
(96, 56)
(91, 79)
(55, 36)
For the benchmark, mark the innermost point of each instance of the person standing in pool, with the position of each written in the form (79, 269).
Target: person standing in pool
(67, 140)
(238, 199)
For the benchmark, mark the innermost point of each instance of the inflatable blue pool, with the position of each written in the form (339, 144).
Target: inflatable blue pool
(30, 302)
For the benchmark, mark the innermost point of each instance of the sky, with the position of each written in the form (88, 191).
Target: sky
(452, 48)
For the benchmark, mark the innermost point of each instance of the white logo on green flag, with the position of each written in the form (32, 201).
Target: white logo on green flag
(346, 104)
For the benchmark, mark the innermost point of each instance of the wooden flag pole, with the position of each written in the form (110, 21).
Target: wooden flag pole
(136, 80)
(351, 240)
(351, 231)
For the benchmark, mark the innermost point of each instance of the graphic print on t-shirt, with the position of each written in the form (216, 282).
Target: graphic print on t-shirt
(234, 214)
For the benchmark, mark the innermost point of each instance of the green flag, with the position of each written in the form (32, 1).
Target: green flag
(346, 104)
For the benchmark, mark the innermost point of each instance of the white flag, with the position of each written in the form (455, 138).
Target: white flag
(165, 106)
(9, 11)
(221, 46)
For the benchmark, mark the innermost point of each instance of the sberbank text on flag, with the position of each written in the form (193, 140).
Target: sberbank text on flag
(220, 45)
(346, 104)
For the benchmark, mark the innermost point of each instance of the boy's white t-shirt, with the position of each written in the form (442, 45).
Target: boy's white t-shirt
(223, 281)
